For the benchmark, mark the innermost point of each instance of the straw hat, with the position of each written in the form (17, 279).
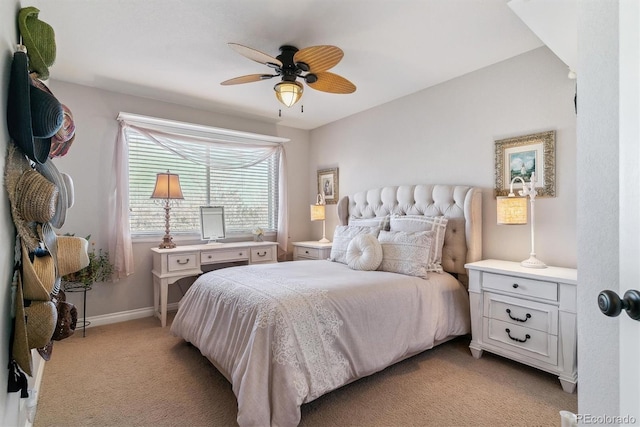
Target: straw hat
(33, 115)
(49, 171)
(72, 254)
(38, 276)
(40, 40)
(34, 327)
(15, 165)
(36, 197)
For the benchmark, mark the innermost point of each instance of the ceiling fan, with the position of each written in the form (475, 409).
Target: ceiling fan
(310, 64)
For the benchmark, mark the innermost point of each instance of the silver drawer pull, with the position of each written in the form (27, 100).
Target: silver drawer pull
(526, 337)
(528, 316)
(183, 262)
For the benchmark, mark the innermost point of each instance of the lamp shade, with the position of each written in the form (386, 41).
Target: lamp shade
(288, 93)
(167, 186)
(512, 210)
(317, 212)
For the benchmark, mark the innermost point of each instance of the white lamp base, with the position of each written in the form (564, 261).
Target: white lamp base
(324, 240)
(533, 262)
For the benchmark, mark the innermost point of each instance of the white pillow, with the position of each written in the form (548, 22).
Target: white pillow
(406, 253)
(364, 252)
(414, 223)
(342, 237)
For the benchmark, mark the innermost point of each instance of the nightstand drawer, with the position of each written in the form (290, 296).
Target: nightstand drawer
(302, 252)
(262, 255)
(525, 341)
(179, 262)
(240, 254)
(530, 314)
(521, 286)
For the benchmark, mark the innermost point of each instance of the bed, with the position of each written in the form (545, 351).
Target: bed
(284, 334)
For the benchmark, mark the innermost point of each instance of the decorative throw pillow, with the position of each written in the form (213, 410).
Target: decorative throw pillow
(382, 222)
(342, 237)
(415, 223)
(364, 252)
(406, 253)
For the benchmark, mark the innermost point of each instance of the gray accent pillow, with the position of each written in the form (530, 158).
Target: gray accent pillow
(342, 237)
(414, 223)
(406, 253)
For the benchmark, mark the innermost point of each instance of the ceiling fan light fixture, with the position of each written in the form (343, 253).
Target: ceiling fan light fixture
(288, 93)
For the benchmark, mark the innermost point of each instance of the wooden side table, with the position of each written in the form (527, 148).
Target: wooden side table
(311, 250)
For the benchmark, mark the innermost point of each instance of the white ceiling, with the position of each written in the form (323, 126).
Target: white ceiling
(177, 51)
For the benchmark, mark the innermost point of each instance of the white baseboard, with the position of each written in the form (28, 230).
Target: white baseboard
(123, 316)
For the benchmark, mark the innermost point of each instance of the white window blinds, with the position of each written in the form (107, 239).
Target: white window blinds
(249, 194)
(242, 171)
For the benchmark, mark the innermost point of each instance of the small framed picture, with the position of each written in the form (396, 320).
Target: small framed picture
(523, 156)
(328, 185)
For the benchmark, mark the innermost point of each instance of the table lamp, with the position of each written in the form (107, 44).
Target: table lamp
(167, 188)
(318, 214)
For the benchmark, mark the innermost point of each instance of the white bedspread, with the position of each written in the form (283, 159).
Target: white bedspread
(284, 334)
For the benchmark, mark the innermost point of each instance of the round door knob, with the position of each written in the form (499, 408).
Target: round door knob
(611, 305)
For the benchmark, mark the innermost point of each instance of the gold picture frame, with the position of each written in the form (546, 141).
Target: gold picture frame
(328, 185)
(523, 155)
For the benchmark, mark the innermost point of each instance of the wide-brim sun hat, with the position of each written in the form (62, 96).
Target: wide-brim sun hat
(51, 172)
(72, 254)
(40, 40)
(36, 197)
(38, 276)
(62, 140)
(16, 164)
(33, 115)
(34, 327)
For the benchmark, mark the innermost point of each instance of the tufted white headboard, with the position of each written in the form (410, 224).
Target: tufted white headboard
(461, 204)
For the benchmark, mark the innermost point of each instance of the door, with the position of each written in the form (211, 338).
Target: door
(629, 205)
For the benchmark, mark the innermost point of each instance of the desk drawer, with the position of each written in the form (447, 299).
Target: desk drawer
(521, 286)
(185, 261)
(212, 257)
(265, 254)
(530, 314)
(525, 341)
(311, 253)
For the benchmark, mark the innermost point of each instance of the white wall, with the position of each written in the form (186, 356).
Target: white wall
(445, 134)
(89, 162)
(9, 402)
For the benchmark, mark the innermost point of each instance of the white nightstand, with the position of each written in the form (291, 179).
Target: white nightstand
(311, 250)
(525, 314)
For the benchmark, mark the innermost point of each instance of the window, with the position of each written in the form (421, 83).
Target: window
(248, 194)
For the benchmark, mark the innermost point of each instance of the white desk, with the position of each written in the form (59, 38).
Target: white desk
(171, 265)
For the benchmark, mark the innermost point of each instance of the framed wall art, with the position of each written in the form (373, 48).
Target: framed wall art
(328, 185)
(523, 156)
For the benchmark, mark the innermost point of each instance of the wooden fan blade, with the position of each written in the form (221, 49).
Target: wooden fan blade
(255, 55)
(319, 58)
(247, 79)
(332, 83)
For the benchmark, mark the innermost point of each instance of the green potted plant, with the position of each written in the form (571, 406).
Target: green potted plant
(99, 269)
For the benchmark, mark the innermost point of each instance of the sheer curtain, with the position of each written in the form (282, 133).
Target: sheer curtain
(247, 148)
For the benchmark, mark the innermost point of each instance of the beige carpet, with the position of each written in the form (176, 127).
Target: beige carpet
(136, 374)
